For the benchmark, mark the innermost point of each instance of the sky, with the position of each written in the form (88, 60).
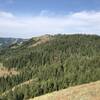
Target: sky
(29, 18)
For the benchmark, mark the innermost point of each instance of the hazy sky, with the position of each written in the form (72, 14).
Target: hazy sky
(27, 18)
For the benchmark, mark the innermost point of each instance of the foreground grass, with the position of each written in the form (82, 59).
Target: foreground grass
(89, 91)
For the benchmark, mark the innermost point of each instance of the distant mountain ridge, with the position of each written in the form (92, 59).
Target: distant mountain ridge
(6, 42)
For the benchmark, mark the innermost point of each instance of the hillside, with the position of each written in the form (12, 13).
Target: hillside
(56, 62)
(89, 91)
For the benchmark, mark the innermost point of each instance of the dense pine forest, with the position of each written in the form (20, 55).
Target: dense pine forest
(51, 63)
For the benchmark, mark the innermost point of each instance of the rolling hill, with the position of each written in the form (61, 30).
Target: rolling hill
(52, 62)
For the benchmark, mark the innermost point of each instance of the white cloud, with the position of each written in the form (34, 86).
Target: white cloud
(15, 26)
(6, 14)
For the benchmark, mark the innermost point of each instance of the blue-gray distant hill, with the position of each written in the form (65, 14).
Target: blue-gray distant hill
(6, 42)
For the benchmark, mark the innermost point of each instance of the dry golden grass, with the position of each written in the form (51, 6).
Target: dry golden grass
(89, 91)
(4, 72)
(42, 39)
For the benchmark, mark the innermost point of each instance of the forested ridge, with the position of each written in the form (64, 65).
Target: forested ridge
(60, 62)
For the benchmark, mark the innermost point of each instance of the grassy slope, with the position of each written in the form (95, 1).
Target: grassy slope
(89, 91)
